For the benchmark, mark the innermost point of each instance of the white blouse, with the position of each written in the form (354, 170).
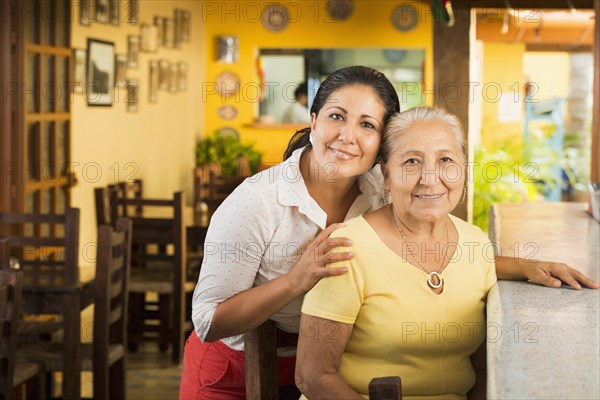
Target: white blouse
(259, 233)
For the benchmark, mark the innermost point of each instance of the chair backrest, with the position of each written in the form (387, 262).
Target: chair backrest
(260, 362)
(132, 190)
(111, 294)
(385, 388)
(47, 246)
(212, 188)
(102, 204)
(11, 283)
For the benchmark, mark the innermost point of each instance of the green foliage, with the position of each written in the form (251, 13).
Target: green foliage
(500, 175)
(226, 150)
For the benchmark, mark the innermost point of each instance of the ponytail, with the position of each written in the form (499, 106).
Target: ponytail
(300, 139)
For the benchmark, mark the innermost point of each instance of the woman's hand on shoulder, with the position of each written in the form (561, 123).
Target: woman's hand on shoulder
(311, 265)
(553, 274)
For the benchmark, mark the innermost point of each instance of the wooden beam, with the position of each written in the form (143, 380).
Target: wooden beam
(451, 63)
(595, 172)
(526, 4)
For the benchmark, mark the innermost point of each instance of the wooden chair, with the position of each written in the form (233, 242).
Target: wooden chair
(156, 271)
(105, 357)
(385, 388)
(260, 367)
(260, 363)
(211, 187)
(13, 374)
(129, 190)
(46, 244)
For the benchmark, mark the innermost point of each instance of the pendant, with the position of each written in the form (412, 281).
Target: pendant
(431, 283)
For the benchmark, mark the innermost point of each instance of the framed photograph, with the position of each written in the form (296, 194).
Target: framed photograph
(100, 72)
(121, 70)
(182, 76)
(131, 11)
(164, 69)
(149, 41)
(173, 78)
(133, 50)
(153, 82)
(160, 34)
(169, 32)
(132, 98)
(78, 70)
(182, 24)
(87, 12)
(114, 14)
(102, 11)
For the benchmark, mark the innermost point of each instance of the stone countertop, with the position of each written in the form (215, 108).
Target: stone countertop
(544, 343)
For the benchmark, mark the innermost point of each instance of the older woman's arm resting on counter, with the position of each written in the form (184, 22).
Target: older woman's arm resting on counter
(545, 273)
(318, 359)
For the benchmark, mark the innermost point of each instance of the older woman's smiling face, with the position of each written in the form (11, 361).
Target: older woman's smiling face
(425, 172)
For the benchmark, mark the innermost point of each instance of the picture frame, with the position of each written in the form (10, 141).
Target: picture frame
(102, 11)
(182, 76)
(131, 12)
(164, 70)
(173, 78)
(181, 19)
(100, 72)
(133, 50)
(114, 12)
(153, 82)
(131, 97)
(79, 79)
(87, 12)
(169, 32)
(149, 38)
(121, 70)
(160, 34)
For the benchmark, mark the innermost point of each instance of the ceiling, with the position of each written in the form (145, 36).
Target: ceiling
(539, 29)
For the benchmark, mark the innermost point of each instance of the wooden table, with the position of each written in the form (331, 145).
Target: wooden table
(41, 297)
(543, 343)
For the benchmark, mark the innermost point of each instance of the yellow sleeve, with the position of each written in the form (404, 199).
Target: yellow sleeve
(490, 273)
(337, 298)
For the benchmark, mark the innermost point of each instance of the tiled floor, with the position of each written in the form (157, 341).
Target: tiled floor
(150, 376)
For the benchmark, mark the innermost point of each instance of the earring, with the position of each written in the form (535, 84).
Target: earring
(464, 196)
(311, 138)
(385, 197)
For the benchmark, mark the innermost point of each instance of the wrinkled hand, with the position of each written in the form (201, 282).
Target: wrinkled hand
(552, 274)
(311, 265)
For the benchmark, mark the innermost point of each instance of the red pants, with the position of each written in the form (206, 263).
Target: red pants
(214, 371)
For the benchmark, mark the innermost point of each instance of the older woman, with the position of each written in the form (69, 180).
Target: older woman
(412, 303)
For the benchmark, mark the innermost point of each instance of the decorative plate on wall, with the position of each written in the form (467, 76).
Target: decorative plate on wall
(227, 112)
(275, 17)
(340, 10)
(228, 83)
(405, 17)
(227, 131)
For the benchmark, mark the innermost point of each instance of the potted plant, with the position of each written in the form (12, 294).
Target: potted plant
(227, 152)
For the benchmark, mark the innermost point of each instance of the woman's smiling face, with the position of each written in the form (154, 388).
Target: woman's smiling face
(426, 171)
(347, 131)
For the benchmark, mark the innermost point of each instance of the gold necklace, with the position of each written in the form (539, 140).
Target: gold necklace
(433, 274)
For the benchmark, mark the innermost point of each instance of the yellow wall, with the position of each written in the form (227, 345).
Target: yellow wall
(369, 26)
(551, 82)
(502, 71)
(156, 143)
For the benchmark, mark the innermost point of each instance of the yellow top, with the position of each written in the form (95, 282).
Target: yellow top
(401, 328)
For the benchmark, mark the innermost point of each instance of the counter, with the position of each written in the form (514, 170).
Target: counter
(543, 343)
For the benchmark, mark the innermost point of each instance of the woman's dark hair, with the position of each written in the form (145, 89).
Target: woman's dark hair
(355, 75)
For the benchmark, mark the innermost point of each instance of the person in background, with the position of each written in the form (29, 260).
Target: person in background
(268, 243)
(297, 113)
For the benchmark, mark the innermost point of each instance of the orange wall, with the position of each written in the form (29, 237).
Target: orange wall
(310, 27)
